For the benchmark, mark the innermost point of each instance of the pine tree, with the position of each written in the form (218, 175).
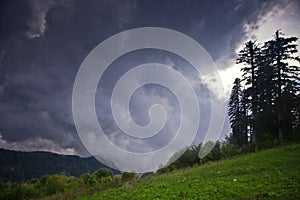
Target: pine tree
(280, 50)
(265, 98)
(250, 56)
(237, 114)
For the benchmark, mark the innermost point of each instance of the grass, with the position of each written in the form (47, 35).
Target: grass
(269, 174)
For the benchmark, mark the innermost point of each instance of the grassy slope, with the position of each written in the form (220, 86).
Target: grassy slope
(270, 174)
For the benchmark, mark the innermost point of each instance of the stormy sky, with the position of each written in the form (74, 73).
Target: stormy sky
(43, 44)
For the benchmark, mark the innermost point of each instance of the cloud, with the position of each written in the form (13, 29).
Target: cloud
(140, 103)
(37, 23)
(2, 55)
(284, 16)
(36, 144)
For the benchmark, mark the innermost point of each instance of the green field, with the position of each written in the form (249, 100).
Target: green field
(269, 174)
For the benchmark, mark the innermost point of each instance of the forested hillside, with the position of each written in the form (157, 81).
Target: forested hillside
(22, 166)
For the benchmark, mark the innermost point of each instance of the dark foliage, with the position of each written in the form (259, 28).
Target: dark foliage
(271, 96)
(126, 176)
(104, 172)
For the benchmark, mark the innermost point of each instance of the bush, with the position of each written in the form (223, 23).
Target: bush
(34, 181)
(92, 180)
(188, 158)
(49, 185)
(214, 154)
(229, 150)
(54, 184)
(106, 180)
(148, 174)
(104, 172)
(117, 180)
(248, 148)
(127, 176)
(164, 170)
(85, 178)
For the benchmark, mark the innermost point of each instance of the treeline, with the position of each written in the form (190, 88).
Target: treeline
(264, 103)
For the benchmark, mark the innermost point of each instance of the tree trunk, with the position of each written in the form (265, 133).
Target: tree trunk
(250, 46)
(279, 107)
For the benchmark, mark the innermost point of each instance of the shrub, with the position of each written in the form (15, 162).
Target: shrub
(187, 159)
(117, 180)
(34, 181)
(148, 174)
(54, 184)
(164, 170)
(229, 150)
(214, 154)
(92, 180)
(85, 178)
(127, 176)
(104, 172)
(106, 180)
(249, 148)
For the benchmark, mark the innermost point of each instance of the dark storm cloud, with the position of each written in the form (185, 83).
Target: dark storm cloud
(42, 44)
(12, 25)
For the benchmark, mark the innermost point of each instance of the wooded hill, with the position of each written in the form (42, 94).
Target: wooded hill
(18, 166)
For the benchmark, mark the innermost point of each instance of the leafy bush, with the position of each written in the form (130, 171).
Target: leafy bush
(127, 176)
(85, 177)
(214, 154)
(249, 148)
(106, 180)
(188, 158)
(103, 172)
(92, 180)
(54, 184)
(148, 174)
(229, 150)
(116, 180)
(164, 170)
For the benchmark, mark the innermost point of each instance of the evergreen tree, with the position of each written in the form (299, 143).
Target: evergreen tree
(250, 55)
(280, 50)
(238, 115)
(265, 98)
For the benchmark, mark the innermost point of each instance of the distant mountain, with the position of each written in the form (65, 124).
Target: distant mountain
(19, 166)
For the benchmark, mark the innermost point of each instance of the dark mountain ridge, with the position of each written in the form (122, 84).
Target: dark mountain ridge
(16, 166)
